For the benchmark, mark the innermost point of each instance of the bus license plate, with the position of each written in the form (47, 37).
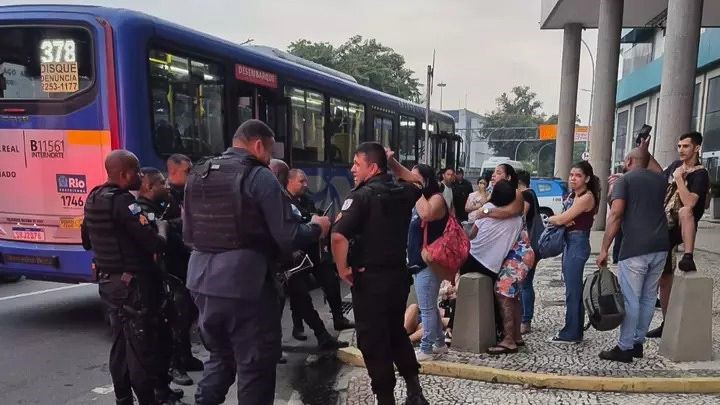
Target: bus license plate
(28, 234)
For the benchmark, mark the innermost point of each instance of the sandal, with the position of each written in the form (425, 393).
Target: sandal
(500, 349)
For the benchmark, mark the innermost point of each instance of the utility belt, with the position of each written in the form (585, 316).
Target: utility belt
(128, 294)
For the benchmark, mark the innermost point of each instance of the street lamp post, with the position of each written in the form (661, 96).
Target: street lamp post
(592, 62)
(441, 85)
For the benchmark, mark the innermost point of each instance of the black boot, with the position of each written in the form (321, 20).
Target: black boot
(327, 342)
(299, 334)
(180, 377)
(167, 396)
(657, 332)
(342, 323)
(125, 401)
(414, 392)
(192, 363)
(385, 399)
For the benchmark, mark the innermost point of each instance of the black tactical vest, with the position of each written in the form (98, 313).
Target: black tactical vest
(219, 215)
(382, 243)
(114, 251)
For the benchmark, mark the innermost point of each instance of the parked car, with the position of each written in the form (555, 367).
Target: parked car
(550, 192)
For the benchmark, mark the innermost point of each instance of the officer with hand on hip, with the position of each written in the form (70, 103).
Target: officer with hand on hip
(239, 224)
(125, 247)
(376, 218)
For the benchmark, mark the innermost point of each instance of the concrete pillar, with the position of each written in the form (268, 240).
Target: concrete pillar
(682, 37)
(606, 74)
(568, 99)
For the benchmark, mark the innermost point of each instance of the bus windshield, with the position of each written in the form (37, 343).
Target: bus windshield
(44, 62)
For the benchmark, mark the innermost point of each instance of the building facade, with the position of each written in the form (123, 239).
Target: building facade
(468, 125)
(638, 92)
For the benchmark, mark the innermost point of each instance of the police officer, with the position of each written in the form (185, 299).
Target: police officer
(298, 286)
(375, 217)
(185, 312)
(153, 202)
(324, 271)
(124, 247)
(239, 224)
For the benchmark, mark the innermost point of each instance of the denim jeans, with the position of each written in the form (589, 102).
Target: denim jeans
(427, 289)
(527, 297)
(638, 278)
(575, 255)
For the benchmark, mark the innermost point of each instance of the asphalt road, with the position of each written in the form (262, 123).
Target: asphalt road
(54, 348)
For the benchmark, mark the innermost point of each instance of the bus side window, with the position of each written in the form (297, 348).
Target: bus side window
(187, 102)
(308, 125)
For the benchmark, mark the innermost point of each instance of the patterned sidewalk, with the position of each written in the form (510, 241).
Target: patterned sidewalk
(540, 356)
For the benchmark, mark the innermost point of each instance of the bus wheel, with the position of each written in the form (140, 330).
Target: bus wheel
(10, 279)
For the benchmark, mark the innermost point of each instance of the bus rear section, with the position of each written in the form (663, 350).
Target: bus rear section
(53, 140)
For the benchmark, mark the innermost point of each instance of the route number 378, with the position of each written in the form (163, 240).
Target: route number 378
(57, 50)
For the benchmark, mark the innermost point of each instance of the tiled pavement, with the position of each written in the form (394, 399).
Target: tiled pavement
(540, 356)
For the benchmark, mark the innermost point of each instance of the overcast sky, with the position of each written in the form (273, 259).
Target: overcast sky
(484, 47)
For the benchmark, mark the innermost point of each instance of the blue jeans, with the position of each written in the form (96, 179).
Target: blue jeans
(638, 278)
(575, 255)
(527, 297)
(427, 289)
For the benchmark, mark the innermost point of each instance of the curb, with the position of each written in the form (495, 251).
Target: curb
(696, 385)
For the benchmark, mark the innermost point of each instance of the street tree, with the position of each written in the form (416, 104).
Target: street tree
(371, 63)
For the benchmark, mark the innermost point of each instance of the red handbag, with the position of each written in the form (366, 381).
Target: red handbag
(447, 253)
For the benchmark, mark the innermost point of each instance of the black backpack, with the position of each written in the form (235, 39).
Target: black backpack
(603, 300)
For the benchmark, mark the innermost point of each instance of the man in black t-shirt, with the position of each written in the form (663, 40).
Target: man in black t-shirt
(461, 191)
(692, 183)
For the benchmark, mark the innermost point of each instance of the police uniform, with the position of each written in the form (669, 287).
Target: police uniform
(168, 313)
(185, 312)
(239, 224)
(124, 245)
(298, 290)
(324, 269)
(375, 219)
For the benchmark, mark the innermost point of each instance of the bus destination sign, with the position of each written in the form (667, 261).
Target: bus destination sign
(256, 76)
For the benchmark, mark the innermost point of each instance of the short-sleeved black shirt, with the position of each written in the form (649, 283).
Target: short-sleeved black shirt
(698, 182)
(376, 215)
(529, 197)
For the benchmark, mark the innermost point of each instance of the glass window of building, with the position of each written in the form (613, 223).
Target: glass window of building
(187, 100)
(696, 107)
(635, 56)
(711, 141)
(639, 118)
(308, 125)
(621, 136)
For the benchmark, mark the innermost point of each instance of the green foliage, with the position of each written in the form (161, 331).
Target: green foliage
(371, 63)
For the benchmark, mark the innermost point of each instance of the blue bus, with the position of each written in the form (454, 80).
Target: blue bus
(79, 81)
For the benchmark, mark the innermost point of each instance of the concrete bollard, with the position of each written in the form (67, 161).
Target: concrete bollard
(687, 334)
(474, 325)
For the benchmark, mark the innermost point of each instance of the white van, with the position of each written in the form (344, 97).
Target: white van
(488, 166)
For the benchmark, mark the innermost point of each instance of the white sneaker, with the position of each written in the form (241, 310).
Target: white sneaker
(440, 349)
(422, 356)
